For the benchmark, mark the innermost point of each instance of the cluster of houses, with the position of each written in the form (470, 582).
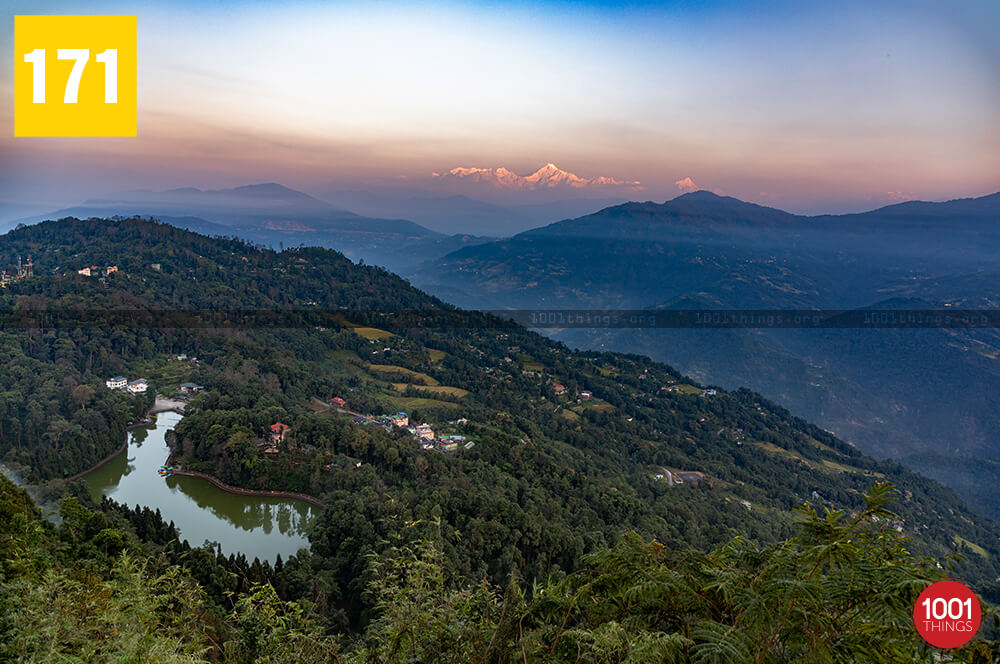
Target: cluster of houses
(97, 271)
(137, 386)
(422, 431)
(140, 385)
(429, 439)
(23, 271)
(560, 390)
(442, 442)
(448, 442)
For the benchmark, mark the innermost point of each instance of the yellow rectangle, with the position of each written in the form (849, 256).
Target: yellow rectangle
(60, 42)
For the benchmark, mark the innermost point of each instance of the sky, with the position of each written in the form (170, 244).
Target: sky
(807, 106)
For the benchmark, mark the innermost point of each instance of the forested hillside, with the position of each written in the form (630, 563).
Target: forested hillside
(701, 251)
(562, 452)
(113, 585)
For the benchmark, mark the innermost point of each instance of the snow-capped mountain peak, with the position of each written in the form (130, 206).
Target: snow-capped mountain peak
(547, 177)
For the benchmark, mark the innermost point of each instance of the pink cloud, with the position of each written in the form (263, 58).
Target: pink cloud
(899, 196)
(686, 185)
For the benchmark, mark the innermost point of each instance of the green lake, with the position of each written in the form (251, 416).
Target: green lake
(254, 526)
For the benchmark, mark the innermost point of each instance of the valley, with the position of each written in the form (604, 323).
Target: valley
(503, 451)
(923, 397)
(549, 424)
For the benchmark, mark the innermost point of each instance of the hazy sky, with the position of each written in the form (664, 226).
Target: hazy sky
(808, 106)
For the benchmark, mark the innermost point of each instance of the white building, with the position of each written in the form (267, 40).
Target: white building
(137, 386)
(116, 383)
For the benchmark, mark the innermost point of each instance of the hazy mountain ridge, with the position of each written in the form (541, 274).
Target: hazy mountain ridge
(459, 213)
(275, 215)
(916, 391)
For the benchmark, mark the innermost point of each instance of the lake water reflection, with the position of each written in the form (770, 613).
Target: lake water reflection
(255, 526)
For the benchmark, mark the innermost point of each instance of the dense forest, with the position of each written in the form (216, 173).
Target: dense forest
(565, 470)
(114, 585)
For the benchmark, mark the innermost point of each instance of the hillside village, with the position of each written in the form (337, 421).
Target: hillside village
(432, 430)
(21, 271)
(403, 395)
(444, 440)
(446, 435)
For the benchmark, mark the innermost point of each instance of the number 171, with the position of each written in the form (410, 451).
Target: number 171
(108, 57)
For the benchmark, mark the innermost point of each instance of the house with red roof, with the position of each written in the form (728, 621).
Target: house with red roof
(278, 431)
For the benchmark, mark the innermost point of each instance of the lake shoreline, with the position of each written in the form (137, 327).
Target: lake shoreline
(163, 405)
(258, 493)
(101, 463)
(159, 406)
(262, 524)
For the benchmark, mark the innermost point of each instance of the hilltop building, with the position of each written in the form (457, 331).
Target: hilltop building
(116, 383)
(137, 386)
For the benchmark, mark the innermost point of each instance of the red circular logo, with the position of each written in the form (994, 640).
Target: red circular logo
(947, 614)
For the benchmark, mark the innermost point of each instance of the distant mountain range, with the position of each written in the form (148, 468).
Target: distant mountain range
(396, 227)
(927, 397)
(484, 201)
(275, 215)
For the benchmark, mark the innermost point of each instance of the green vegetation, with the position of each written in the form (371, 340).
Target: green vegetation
(114, 586)
(91, 591)
(527, 507)
(842, 590)
(57, 418)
